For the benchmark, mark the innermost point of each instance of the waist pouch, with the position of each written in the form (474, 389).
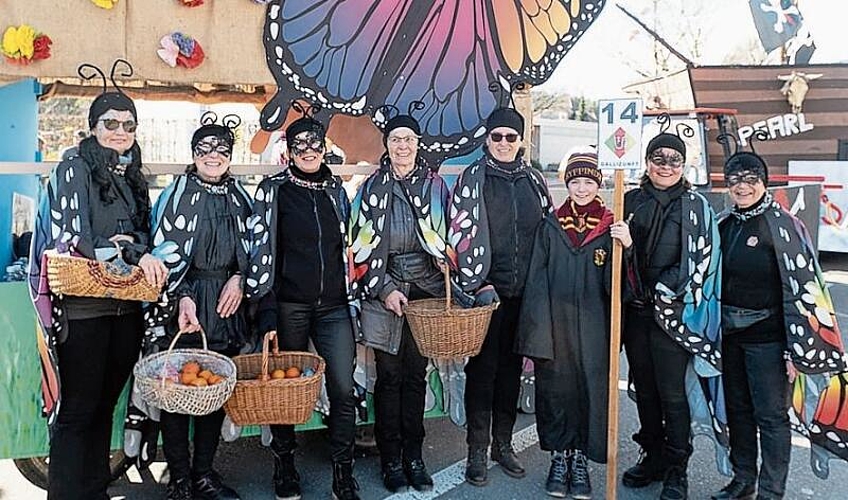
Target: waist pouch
(735, 319)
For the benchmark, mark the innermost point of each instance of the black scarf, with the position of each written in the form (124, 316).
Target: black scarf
(660, 207)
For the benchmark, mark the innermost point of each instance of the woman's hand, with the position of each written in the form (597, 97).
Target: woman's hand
(154, 270)
(621, 231)
(187, 319)
(122, 237)
(395, 302)
(230, 298)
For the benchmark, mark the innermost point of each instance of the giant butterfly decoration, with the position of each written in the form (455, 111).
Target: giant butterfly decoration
(351, 57)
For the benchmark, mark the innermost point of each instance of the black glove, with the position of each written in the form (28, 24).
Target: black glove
(486, 297)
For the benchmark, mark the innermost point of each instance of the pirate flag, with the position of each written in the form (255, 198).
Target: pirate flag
(777, 21)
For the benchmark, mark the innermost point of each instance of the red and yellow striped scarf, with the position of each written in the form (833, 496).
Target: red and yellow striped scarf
(576, 221)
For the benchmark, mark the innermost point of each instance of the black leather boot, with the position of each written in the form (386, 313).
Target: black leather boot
(476, 469)
(286, 478)
(210, 487)
(344, 484)
(505, 456)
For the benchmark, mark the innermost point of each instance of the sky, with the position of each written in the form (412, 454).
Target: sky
(596, 66)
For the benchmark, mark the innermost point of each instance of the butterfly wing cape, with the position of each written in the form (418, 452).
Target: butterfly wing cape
(352, 57)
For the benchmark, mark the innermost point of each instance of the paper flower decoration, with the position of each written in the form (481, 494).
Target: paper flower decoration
(104, 4)
(192, 3)
(22, 45)
(179, 49)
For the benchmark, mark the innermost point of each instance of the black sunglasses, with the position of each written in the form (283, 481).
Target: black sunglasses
(112, 124)
(496, 137)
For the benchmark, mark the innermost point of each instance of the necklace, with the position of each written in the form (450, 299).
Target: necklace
(315, 185)
(220, 189)
(494, 166)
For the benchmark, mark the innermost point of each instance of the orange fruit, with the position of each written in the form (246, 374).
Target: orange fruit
(293, 372)
(191, 367)
(205, 374)
(278, 374)
(199, 382)
(214, 379)
(186, 378)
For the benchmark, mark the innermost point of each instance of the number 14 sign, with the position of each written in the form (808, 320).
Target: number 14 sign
(620, 134)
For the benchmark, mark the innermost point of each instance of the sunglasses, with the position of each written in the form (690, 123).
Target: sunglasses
(749, 179)
(673, 161)
(312, 142)
(496, 137)
(112, 124)
(204, 148)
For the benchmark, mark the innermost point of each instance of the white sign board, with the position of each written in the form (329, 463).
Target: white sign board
(833, 208)
(620, 134)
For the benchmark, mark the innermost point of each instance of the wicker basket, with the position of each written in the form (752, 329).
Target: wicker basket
(443, 330)
(157, 389)
(81, 277)
(264, 401)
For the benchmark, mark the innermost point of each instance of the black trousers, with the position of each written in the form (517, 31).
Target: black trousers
(658, 367)
(332, 334)
(399, 394)
(175, 443)
(756, 390)
(94, 364)
(493, 380)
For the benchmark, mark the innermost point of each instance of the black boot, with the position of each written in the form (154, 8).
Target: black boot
(736, 490)
(416, 473)
(675, 484)
(210, 487)
(557, 483)
(179, 489)
(578, 482)
(286, 478)
(344, 484)
(477, 466)
(505, 456)
(650, 468)
(393, 476)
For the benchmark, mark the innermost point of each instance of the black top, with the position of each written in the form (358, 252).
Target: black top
(514, 211)
(309, 245)
(214, 262)
(107, 219)
(656, 233)
(750, 274)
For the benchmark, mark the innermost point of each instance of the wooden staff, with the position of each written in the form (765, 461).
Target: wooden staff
(615, 342)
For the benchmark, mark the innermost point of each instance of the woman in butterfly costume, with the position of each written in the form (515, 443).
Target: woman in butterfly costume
(398, 232)
(96, 199)
(200, 231)
(496, 205)
(299, 274)
(775, 302)
(672, 326)
(568, 282)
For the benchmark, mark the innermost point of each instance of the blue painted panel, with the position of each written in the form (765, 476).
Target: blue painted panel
(18, 142)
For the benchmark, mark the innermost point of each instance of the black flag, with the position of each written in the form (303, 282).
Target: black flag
(800, 49)
(777, 21)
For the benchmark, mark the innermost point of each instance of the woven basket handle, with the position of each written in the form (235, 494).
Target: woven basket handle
(171, 348)
(446, 271)
(268, 344)
(119, 255)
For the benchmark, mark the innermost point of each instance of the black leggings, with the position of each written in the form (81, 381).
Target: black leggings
(207, 431)
(94, 364)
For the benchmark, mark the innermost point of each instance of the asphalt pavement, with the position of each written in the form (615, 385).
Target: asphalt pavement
(247, 466)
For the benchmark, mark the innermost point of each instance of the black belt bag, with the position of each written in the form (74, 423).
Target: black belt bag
(735, 319)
